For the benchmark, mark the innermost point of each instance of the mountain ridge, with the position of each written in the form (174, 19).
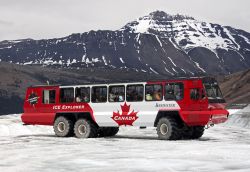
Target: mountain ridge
(172, 45)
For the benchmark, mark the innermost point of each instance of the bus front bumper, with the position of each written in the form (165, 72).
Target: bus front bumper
(218, 118)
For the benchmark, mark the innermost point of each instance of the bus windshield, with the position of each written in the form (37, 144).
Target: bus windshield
(213, 91)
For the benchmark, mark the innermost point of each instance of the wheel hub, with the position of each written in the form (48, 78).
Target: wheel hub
(82, 129)
(61, 127)
(164, 129)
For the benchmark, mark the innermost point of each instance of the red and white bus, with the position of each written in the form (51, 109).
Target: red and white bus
(178, 108)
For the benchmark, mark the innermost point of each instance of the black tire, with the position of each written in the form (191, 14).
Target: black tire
(113, 131)
(194, 132)
(107, 131)
(85, 129)
(198, 131)
(63, 127)
(187, 133)
(167, 129)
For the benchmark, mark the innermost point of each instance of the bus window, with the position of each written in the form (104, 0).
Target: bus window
(213, 91)
(194, 93)
(82, 94)
(67, 95)
(134, 93)
(99, 94)
(49, 96)
(116, 93)
(197, 93)
(174, 91)
(153, 92)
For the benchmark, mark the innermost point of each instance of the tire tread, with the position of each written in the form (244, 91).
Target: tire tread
(175, 133)
(68, 122)
(93, 128)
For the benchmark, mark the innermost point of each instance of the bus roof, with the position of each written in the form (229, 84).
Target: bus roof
(34, 86)
(130, 82)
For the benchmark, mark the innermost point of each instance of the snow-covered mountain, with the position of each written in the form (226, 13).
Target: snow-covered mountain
(205, 43)
(189, 33)
(158, 43)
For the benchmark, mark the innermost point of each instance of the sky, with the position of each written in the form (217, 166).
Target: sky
(42, 19)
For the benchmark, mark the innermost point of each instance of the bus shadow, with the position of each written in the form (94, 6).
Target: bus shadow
(111, 137)
(202, 139)
(135, 137)
(36, 135)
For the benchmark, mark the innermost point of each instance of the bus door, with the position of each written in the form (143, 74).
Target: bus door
(49, 99)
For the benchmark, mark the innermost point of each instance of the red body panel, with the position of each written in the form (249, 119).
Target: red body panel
(193, 118)
(38, 118)
(44, 114)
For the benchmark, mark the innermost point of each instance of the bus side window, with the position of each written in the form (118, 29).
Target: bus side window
(174, 91)
(49, 96)
(99, 94)
(116, 93)
(195, 94)
(67, 95)
(82, 94)
(135, 93)
(153, 92)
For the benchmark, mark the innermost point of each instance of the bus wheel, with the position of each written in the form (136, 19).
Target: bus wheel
(113, 131)
(198, 131)
(167, 129)
(108, 131)
(187, 133)
(85, 129)
(63, 127)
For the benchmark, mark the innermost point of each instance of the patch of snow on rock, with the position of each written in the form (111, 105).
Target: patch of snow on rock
(121, 60)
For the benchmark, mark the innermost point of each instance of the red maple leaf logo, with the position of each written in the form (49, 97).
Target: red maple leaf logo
(125, 118)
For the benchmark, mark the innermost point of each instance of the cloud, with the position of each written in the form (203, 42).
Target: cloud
(5, 23)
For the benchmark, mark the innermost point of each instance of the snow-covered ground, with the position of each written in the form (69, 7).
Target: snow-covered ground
(225, 147)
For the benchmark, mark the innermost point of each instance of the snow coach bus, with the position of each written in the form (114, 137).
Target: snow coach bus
(179, 108)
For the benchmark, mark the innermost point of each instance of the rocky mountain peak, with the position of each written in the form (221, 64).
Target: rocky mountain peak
(154, 21)
(163, 16)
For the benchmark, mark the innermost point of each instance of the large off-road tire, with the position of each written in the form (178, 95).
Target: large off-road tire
(194, 132)
(198, 131)
(167, 129)
(63, 127)
(107, 131)
(186, 133)
(113, 131)
(85, 129)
